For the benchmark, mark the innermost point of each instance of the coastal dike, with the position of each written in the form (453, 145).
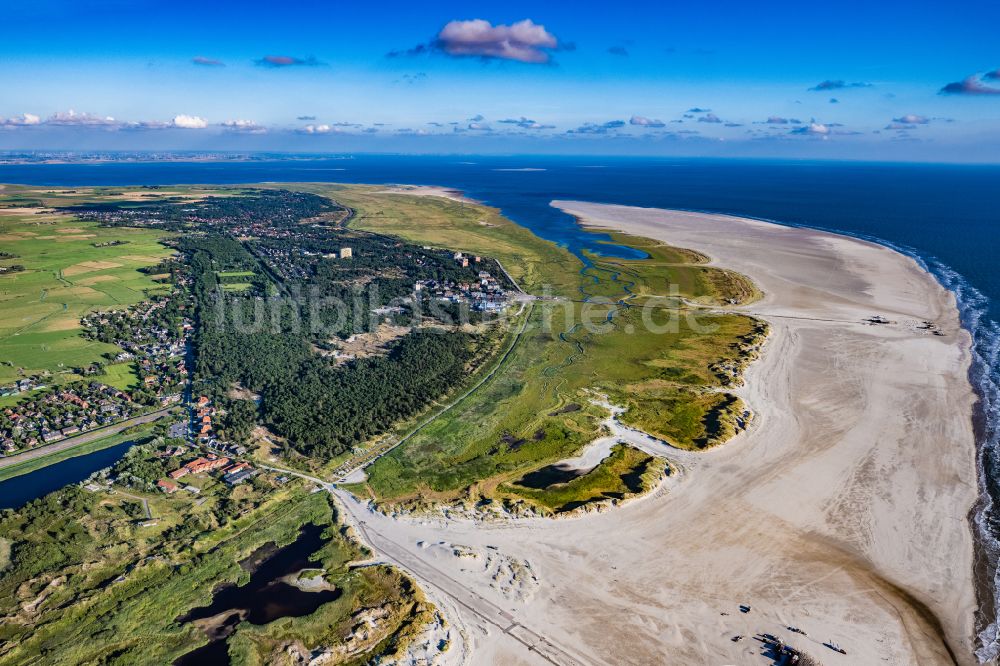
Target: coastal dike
(843, 511)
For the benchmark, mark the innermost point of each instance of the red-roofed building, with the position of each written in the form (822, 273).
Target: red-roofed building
(167, 486)
(202, 465)
(236, 467)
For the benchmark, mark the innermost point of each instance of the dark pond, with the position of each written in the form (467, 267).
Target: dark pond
(22, 489)
(549, 476)
(263, 599)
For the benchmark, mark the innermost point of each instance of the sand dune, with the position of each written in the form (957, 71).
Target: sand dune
(843, 510)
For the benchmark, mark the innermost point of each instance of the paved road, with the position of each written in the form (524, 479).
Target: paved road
(426, 573)
(429, 575)
(520, 291)
(85, 438)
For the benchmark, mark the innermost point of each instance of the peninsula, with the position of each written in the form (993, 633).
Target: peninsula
(733, 429)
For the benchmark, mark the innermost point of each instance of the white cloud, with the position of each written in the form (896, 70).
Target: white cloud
(79, 119)
(524, 41)
(23, 120)
(911, 119)
(643, 121)
(319, 129)
(189, 122)
(247, 126)
(71, 117)
(813, 128)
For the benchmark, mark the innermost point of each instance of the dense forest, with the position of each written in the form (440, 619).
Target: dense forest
(321, 408)
(272, 281)
(326, 410)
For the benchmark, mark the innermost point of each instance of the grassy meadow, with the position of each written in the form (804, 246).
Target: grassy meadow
(535, 410)
(66, 275)
(473, 229)
(627, 472)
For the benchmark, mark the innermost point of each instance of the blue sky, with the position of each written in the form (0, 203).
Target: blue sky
(869, 80)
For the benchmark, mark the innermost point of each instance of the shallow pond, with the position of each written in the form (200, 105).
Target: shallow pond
(264, 598)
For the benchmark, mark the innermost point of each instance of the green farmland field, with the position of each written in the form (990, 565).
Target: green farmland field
(65, 276)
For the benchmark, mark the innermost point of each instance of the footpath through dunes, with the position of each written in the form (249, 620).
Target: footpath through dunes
(842, 511)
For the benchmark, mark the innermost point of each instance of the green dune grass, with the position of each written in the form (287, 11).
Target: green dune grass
(514, 423)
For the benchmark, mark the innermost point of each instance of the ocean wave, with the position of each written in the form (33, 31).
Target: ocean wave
(985, 376)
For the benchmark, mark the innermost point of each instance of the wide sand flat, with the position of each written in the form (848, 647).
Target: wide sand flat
(842, 511)
(430, 191)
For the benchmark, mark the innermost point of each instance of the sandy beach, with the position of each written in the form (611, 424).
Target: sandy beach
(431, 191)
(842, 510)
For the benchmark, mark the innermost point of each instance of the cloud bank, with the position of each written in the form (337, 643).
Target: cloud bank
(23, 120)
(282, 61)
(86, 120)
(972, 85)
(72, 118)
(839, 85)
